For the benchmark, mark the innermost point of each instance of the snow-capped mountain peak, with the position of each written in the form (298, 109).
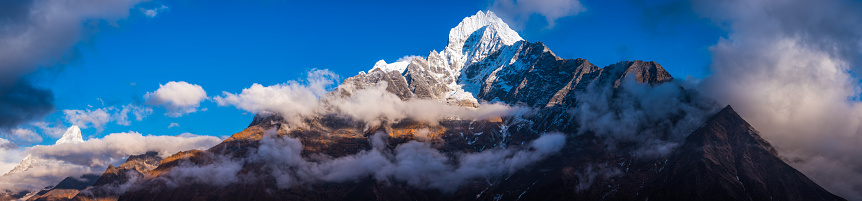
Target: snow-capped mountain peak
(72, 135)
(494, 28)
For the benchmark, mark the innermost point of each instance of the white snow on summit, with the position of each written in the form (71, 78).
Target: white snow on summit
(72, 135)
(398, 66)
(472, 40)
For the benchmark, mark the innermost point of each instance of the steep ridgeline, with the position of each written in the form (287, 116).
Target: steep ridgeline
(619, 142)
(486, 60)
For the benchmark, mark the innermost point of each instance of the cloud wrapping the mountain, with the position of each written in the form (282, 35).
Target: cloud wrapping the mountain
(88, 118)
(415, 163)
(791, 69)
(518, 13)
(178, 98)
(100, 152)
(291, 99)
(374, 104)
(657, 117)
(59, 161)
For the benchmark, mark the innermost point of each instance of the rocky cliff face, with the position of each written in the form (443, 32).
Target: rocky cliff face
(625, 131)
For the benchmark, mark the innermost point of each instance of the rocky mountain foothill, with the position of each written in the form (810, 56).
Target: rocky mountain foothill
(490, 117)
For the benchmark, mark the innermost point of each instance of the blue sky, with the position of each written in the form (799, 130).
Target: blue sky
(227, 45)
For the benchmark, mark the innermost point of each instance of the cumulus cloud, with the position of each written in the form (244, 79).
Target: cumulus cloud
(791, 69)
(291, 99)
(519, 12)
(88, 118)
(99, 117)
(415, 163)
(178, 98)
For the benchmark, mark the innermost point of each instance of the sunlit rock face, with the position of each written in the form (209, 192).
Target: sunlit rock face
(562, 129)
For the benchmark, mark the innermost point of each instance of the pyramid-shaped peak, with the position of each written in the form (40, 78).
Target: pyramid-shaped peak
(487, 21)
(72, 135)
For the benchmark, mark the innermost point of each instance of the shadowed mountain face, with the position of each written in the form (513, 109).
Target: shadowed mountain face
(572, 130)
(727, 160)
(66, 189)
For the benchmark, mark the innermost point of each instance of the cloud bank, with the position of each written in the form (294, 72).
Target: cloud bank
(414, 163)
(657, 117)
(89, 157)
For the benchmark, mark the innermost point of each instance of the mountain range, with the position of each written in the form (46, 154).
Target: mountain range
(490, 117)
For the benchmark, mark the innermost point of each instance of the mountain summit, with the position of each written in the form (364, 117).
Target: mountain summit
(72, 135)
(490, 117)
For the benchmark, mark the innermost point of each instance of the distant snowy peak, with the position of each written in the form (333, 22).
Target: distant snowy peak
(72, 135)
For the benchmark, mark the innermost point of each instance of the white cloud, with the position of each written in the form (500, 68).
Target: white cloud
(90, 157)
(178, 98)
(122, 117)
(98, 118)
(409, 58)
(519, 12)
(374, 105)
(100, 152)
(151, 13)
(88, 118)
(173, 124)
(291, 99)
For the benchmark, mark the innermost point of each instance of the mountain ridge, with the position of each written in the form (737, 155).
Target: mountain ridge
(644, 151)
